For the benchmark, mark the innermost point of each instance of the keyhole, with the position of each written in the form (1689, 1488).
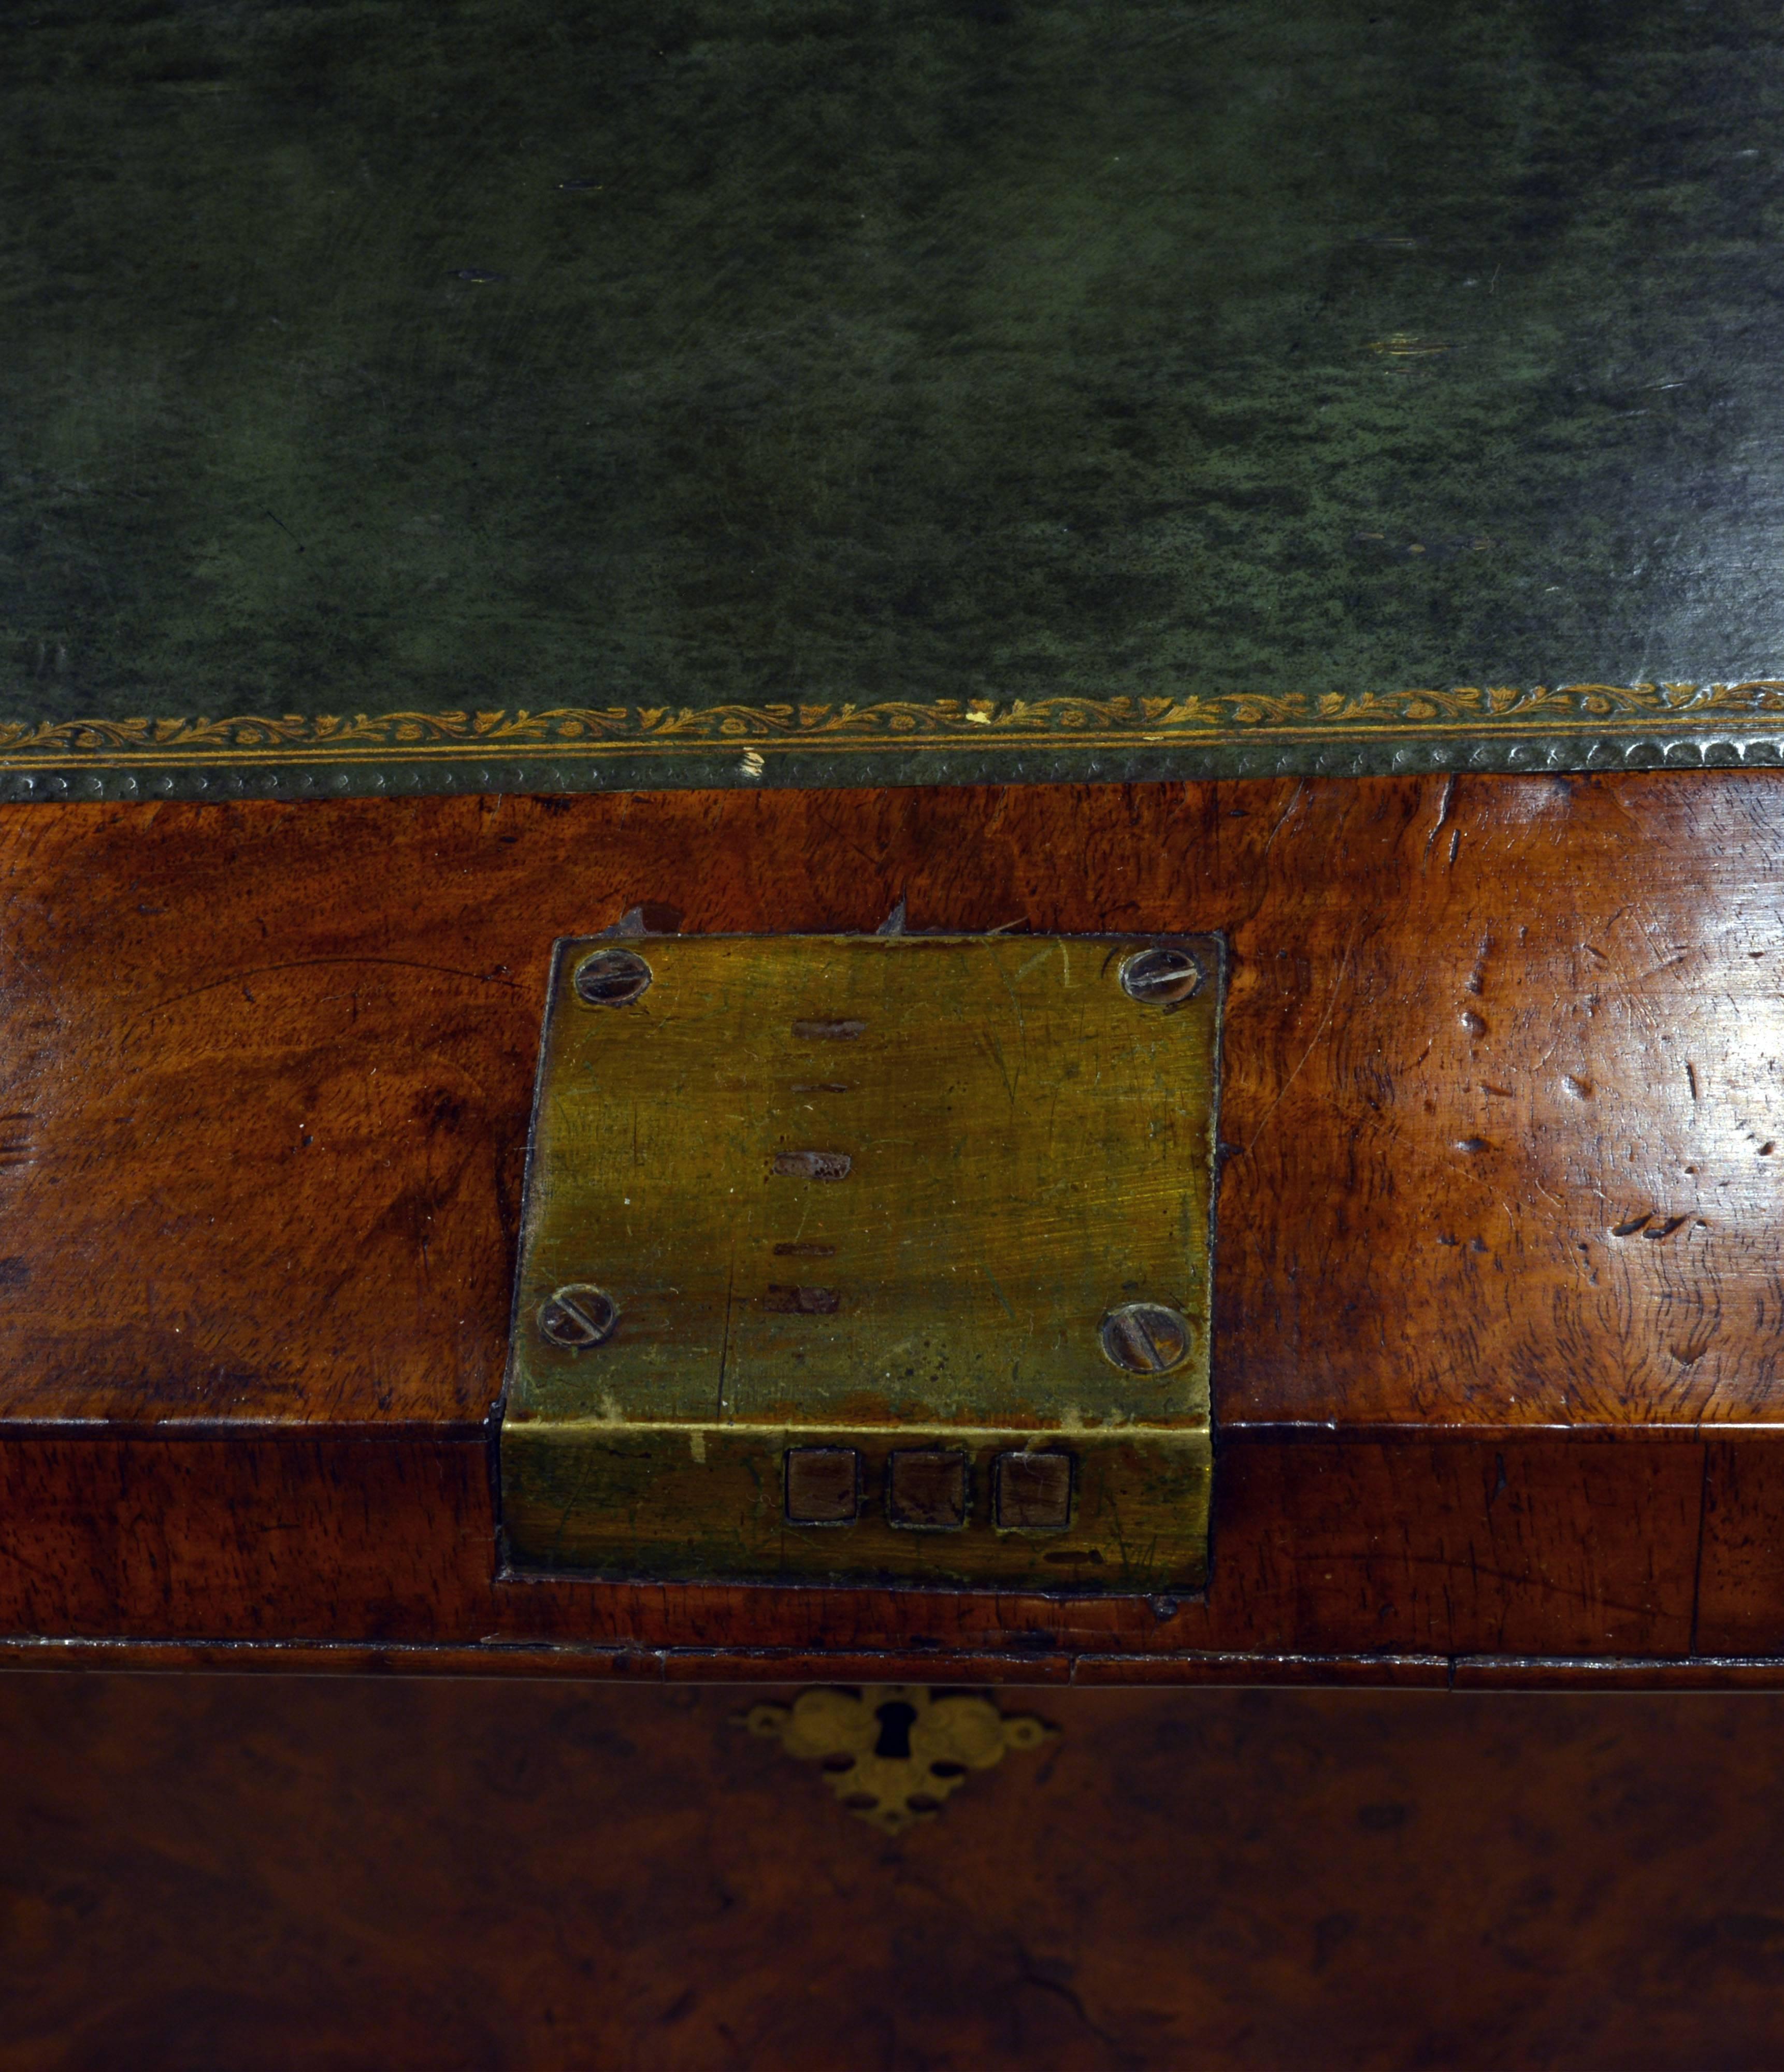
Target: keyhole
(896, 1720)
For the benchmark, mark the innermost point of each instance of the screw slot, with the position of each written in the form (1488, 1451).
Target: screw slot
(1146, 1338)
(1160, 978)
(578, 1317)
(612, 978)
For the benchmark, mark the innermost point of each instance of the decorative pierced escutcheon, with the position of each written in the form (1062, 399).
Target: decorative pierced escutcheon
(891, 1753)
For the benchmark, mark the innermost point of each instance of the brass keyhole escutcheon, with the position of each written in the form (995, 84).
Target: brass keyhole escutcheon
(893, 1754)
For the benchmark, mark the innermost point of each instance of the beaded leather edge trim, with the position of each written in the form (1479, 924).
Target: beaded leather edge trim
(949, 741)
(1218, 720)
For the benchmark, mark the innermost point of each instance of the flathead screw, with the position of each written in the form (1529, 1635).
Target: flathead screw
(612, 978)
(1160, 978)
(1146, 1338)
(577, 1317)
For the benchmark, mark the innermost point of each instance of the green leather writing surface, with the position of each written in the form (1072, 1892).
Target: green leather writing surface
(504, 392)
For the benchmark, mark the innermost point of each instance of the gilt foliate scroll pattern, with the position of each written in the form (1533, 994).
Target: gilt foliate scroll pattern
(892, 1753)
(1215, 719)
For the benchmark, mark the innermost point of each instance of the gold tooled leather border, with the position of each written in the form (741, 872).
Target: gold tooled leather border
(1222, 720)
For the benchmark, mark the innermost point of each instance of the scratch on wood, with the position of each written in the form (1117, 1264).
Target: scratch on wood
(1443, 816)
(1283, 817)
(1331, 1007)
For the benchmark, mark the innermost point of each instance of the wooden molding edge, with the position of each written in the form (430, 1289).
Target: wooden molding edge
(623, 1663)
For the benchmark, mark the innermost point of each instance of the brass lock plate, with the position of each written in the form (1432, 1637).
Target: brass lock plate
(869, 1257)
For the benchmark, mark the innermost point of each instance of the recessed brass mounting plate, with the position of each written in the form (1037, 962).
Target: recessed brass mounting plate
(869, 1256)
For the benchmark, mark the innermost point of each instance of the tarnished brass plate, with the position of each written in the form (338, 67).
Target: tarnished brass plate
(869, 1256)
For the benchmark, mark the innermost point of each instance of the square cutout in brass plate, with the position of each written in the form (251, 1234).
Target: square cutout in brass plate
(869, 1256)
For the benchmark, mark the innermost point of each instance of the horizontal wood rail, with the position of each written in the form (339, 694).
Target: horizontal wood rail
(1502, 1117)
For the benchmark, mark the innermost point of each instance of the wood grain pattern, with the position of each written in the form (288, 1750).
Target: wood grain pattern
(1357, 1548)
(1498, 1302)
(215, 1872)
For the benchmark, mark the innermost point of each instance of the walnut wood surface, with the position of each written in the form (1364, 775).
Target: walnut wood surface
(215, 1874)
(1498, 1308)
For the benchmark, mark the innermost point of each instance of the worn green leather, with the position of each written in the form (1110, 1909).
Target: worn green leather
(836, 390)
